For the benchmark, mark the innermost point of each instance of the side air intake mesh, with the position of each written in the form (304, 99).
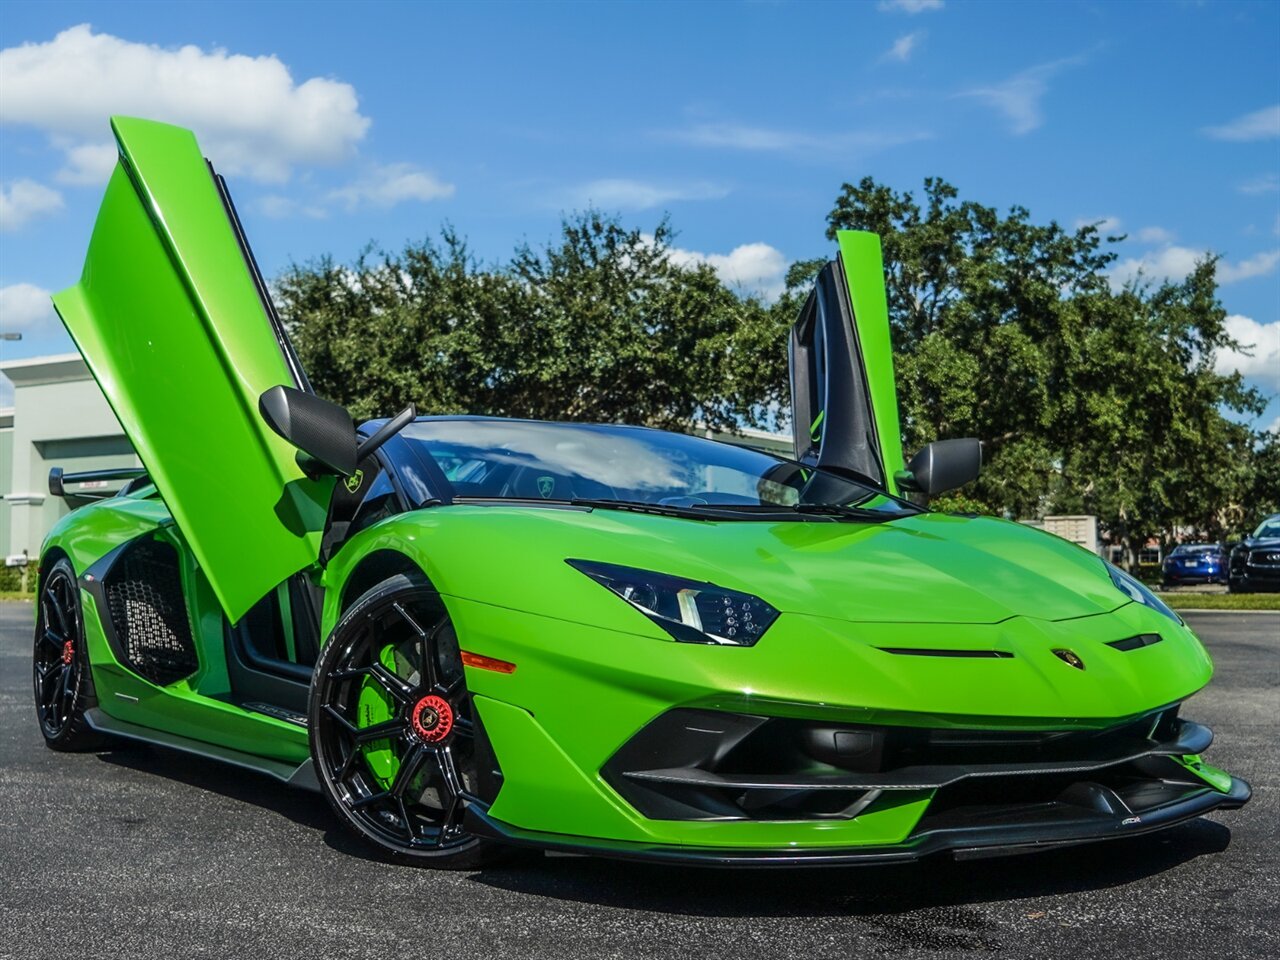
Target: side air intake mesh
(144, 596)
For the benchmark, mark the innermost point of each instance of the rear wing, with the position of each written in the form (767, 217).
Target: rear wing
(58, 480)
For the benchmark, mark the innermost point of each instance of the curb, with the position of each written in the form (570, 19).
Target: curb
(1211, 610)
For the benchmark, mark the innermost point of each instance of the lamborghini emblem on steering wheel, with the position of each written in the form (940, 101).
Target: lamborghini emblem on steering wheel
(546, 487)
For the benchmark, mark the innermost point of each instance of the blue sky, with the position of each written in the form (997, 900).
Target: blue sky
(342, 124)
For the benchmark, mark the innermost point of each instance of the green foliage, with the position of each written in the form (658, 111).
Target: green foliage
(1088, 399)
(11, 580)
(602, 325)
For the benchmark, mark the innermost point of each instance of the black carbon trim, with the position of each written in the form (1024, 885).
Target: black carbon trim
(971, 842)
(935, 652)
(1136, 642)
(1191, 738)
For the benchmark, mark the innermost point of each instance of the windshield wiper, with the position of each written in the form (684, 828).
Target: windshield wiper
(833, 510)
(639, 506)
(849, 513)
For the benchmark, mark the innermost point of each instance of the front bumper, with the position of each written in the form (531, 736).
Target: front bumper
(582, 692)
(972, 841)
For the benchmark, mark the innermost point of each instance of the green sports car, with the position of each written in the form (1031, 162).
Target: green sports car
(472, 634)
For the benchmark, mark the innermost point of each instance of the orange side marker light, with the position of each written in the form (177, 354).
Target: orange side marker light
(487, 663)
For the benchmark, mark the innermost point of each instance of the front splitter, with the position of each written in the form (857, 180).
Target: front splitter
(962, 843)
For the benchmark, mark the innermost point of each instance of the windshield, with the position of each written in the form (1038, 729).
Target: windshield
(1269, 527)
(567, 462)
(1189, 549)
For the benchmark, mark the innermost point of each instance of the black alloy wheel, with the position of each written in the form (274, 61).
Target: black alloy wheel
(63, 683)
(396, 743)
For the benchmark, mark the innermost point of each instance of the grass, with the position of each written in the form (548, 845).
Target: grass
(15, 595)
(1222, 601)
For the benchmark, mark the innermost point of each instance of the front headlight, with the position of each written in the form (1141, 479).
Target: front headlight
(1137, 591)
(689, 610)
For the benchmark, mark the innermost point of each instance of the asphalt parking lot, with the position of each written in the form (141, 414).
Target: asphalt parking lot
(142, 853)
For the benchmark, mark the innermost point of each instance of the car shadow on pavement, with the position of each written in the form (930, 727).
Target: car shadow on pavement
(303, 807)
(938, 882)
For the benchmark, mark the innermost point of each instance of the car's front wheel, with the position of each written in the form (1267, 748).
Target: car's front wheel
(395, 737)
(63, 683)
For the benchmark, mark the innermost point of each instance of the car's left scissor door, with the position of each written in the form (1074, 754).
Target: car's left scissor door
(176, 326)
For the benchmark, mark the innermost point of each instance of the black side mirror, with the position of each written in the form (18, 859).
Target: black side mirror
(943, 465)
(322, 431)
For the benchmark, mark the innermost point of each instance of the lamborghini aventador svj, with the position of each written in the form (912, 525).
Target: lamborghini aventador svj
(472, 634)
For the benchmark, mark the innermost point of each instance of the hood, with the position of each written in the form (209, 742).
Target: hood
(931, 568)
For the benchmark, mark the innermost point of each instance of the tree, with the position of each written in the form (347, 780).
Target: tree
(602, 325)
(1087, 398)
(975, 299)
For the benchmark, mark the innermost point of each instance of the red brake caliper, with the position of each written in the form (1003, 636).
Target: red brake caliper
(432, 718)
(68, 652)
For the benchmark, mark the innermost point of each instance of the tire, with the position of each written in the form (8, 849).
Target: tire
(60, 665)
(398, 749)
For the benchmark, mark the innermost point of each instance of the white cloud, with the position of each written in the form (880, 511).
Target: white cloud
(623, 194)
(1267, 183)
(385, 186)
(903, 47)
(1174, 262)
(1259, 265)
(737, 136)
(910, 7)
(1155, 235)
(752, 267)
(1262, 124)
(1275, 425)
(1104, 225)
(88, 164)
(250, 114)
(1168, 263)
(24, 200)
(1262, 340)
(24, 307)
(283, 208)
(1018, 98)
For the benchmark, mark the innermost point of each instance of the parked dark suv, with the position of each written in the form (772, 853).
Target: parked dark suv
(1255, 562)
(1195, 563)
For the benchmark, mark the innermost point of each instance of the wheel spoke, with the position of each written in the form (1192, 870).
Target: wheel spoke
(68, 681)
(448, 764)
(373, 798)
(55, 604)
(404, 818)
(410, 764)
(428, 669)
(379, 731)
(347, 766)
(399, 689)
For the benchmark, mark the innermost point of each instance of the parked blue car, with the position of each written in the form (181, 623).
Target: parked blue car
(1195, 563)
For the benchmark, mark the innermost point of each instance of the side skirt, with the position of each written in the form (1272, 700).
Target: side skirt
(302, 776)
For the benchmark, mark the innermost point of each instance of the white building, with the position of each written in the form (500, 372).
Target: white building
(59, 418)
